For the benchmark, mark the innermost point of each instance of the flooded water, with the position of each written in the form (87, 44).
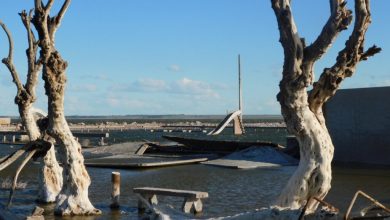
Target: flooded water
(276, 135)
(230, 191)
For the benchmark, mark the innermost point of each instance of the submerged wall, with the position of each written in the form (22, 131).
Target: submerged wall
(359, 123)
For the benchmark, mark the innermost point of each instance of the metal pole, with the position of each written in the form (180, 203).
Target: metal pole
(239, 85)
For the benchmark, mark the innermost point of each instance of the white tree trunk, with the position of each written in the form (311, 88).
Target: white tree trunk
(314, 174)
(50, 175)
(303, 112)
(73, 198)
(50, 178)
(29, 121)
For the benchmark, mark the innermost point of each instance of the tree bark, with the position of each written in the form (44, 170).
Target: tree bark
(302, 112)
(73, 198)
(51, 179)
(50, 175)
(313, 175)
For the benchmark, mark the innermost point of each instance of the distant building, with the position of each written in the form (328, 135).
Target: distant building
(359, 124)
(5, 121)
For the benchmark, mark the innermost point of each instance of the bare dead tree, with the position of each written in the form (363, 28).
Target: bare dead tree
(51, 175)
(302, 111)
(73, 198)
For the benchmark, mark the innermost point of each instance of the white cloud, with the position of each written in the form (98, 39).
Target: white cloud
(142, 85)
(84, 88)
(174, 68)
(185, 86)
(151, 84)
(385, 82)
(194, 87)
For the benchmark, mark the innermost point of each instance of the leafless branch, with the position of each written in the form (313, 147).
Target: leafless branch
(63, 10)
(56, 20)
(10, 41)
(293, 47)
(339, 19)
(33, 64)
(2, 159)
(8, 60)
(15, 181)
(14, 156)
(41, 23)
(49, 5)
(287, 28)
(38, 4)
(346, 61)
(370, 52)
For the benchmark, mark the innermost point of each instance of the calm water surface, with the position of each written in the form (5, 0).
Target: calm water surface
(230, 191)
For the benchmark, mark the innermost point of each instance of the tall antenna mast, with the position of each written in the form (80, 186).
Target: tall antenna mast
(239, 85)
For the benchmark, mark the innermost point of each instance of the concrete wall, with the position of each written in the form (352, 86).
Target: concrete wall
(359, 123)
(5, 121)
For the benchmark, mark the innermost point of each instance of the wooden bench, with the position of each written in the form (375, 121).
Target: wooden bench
(191, 198)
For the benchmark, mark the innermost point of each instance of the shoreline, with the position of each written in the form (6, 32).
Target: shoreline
(109, 125)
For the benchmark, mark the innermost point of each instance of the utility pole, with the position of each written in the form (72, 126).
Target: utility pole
(239, 85)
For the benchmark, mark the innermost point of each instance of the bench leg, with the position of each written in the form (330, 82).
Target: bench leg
(141, 206)
(151, 199)
(189, 203)
(198, 206)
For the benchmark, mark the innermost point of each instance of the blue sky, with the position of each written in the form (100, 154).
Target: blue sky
(180, 57)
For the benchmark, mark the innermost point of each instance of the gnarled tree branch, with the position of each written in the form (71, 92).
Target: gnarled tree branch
(13, 157)
(73, 198)
(303, 113)
(293, 47)
(339, 20)
(49, 5)
(8, 61)
(38, 4)
(51, 179)
(346, 61)
(8, 160)
(31, 52)
(40, 148)
(56, 20)
(15, 180)
(40, 21)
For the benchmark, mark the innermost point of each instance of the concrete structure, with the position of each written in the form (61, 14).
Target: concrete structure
(116, 189)
(5, 121)
(236, 116)
(22, 136)
(359, 123)
(148, 196)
